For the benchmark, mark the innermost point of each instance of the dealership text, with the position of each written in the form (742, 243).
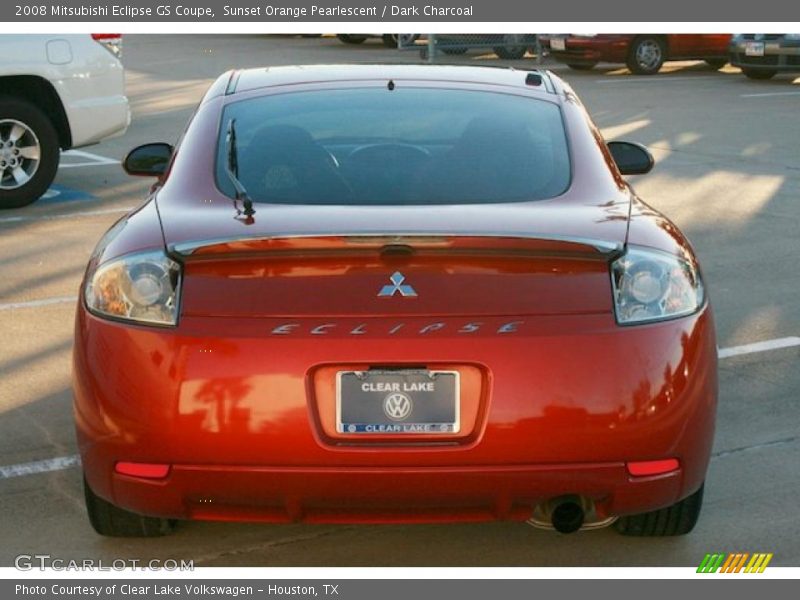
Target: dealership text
(126, 589)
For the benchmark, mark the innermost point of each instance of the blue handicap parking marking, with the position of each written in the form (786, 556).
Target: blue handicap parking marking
(59, 193)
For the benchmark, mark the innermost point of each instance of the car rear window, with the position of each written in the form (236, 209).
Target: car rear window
(376, 146)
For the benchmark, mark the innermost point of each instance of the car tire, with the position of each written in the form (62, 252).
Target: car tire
(758, 73)
(716, 63)
(646, 55)
(678, 519)
(509, 52)
(38, 138)
(588, 66)
(513, 48)
(113, 521)
(397, 40)
(350, 38)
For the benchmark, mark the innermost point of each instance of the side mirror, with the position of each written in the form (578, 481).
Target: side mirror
(149, 160)
(631, 158)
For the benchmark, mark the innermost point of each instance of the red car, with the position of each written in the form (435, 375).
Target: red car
(643, 54)
(393, 293)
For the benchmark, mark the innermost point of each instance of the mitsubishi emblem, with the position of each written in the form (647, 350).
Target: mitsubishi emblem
(397, 286)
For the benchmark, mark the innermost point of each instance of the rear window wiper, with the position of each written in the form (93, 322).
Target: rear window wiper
(232, 169)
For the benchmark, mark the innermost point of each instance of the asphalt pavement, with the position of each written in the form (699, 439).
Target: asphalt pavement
(727, 172)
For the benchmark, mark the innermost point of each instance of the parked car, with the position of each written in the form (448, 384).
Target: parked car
(506, 46)
(643, 54)
(763, 55)
(509, 46)
(390, 40)
(393, 293)
(56, 92)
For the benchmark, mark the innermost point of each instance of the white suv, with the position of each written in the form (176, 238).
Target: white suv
(56, 92)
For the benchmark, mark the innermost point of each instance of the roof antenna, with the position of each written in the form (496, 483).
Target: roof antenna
(390, 85)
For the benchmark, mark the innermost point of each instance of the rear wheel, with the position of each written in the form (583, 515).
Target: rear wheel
(587, 66)
(350, 38)
(678, 519)
(398, 40)
(646, 55)
(513, 48)
(28, 152)
(758, 73)
(716, 63)
(113, 521)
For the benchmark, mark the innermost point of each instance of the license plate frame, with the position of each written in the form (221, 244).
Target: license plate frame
(558, 44)
(365, 412)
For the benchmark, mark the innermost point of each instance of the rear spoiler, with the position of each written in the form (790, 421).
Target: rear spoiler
(408, 243)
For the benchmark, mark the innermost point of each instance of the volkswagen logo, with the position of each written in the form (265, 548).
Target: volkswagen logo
(397, 406)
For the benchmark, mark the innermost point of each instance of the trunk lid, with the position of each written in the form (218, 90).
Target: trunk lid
(399, 261)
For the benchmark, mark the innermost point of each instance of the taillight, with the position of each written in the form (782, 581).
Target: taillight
(110, 41)
(652, 286)
(143, 287)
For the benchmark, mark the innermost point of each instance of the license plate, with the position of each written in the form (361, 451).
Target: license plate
(397, 402)
(558, 44)
(754, 49)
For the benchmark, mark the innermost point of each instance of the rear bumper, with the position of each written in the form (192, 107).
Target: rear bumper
(592, 50)
(779, 55)
(92, 91)
(378, 495)
(558, 407)
(93, 120)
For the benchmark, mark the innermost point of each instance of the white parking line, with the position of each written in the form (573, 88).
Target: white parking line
(40, 466)
(660, 79)
(765, 346)
(84, 213)
(95, 160)
(35, 303)
(765, 94)
(83, 164)
(66, 462)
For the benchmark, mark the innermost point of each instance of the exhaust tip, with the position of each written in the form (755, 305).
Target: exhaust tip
(568, 517)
